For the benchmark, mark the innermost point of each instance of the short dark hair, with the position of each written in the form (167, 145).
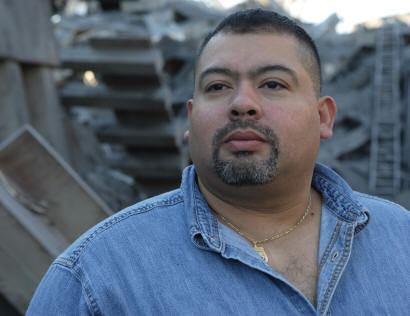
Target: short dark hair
(264, 21)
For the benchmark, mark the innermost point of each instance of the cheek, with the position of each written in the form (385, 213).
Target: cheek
(200, 139)
(305, 138)
(204, 123)
(297, 131)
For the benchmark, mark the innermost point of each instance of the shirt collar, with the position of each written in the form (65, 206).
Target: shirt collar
(203, 224)
(338, 195)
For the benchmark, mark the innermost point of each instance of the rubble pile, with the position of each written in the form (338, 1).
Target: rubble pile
(44, 204)
(132, 71)
(367, 72)
(145, 132)
(123, 78)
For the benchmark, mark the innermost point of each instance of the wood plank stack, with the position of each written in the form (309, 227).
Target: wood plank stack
(349, 63)
(44, 207)
(27, 56)
(44, 204)
(131, 83)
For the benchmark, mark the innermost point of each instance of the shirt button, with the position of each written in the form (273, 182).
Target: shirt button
(335, 255)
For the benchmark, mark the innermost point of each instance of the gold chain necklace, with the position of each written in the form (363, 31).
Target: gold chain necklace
(256, 244)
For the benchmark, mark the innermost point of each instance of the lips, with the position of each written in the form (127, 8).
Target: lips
(244, 136)
(244, 141)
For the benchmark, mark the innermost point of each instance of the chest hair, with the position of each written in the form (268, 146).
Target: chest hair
(296, 258)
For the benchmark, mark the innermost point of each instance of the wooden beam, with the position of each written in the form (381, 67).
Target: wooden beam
(13, 101)
(26, 32)
(140, 40)
(38, 175)
(76, 93)
(155, 166)
(159, 137)
(28, 245)
(145, 62)
(45, 112)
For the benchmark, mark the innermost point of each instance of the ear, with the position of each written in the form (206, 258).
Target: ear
(186, 137)
(327, 113)
(190, 106)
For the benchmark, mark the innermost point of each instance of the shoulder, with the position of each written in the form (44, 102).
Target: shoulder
(384, 212)
(378, 204)
(141, 217)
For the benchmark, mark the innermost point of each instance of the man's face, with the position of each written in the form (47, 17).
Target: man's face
(255, 113)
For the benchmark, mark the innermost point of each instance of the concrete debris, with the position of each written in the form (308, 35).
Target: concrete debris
(44, 206)
(138, 65)
(368, 86)
(174, 30)
(123, 78)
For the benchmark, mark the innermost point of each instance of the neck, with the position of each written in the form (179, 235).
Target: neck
(260, 210)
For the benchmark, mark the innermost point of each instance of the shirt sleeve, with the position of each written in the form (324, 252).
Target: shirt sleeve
(60, 293)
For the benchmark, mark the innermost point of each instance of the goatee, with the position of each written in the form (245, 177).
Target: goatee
(244, 168)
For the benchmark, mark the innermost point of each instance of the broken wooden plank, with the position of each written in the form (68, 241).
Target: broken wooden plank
(24, 259)
(114, 61)
(35, 171)
(157, 137)
(76, 93)
(28, 245)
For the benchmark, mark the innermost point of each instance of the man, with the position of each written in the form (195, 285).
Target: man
(256, 227)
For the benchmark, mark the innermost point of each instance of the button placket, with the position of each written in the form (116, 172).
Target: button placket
(334, 256)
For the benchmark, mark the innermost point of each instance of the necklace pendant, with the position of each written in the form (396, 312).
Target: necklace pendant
(261, 252)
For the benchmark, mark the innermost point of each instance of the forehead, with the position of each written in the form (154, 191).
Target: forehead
(244, 52)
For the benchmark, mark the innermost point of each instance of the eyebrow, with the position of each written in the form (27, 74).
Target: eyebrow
(253, 73)
(273, 68)
(219, 71)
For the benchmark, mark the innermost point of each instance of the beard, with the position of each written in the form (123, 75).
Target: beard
(245, 169)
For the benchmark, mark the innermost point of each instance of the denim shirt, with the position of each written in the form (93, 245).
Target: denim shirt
(169, 255)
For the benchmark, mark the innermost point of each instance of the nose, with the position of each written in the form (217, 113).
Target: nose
(245, 104)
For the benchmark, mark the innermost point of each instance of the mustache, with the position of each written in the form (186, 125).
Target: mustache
(267, 132)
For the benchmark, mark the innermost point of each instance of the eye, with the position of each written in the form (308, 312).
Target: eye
(272, 85)
(216, 87)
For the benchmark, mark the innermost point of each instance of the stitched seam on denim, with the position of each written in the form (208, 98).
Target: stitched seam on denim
(252, 258)
(338, 200)
(71, 260)
(330, 245)
(92, 304)
(89, 292)
(254, 263)
(361, 226)
(206, 247)
(334, 179)
(337, 271)
(196, 210)
(203, 222)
